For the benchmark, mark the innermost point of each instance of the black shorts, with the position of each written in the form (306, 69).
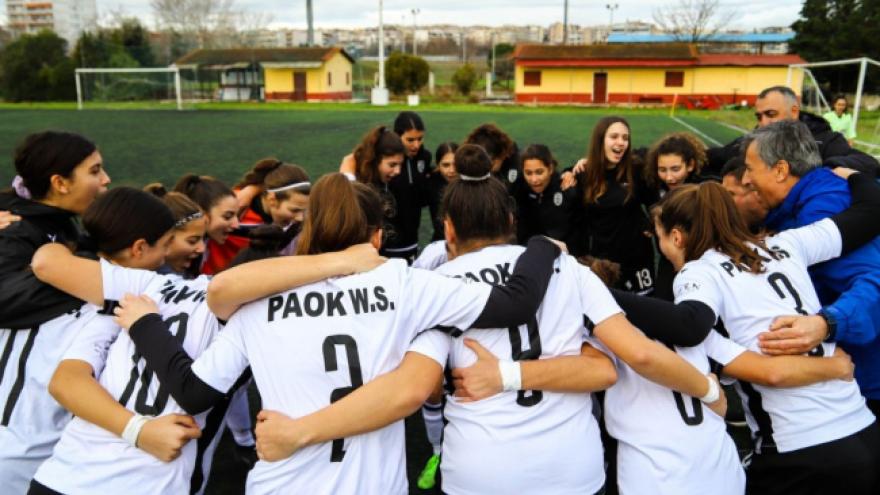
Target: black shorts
(848, 465)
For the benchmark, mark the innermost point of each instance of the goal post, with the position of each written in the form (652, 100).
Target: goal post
(860, 86)
(173, 70)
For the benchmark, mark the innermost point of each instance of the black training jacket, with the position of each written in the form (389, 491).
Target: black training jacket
(409, 192)
(436, 187)
(614, 227)
(551, 213)
(835, 150)
(25, 301)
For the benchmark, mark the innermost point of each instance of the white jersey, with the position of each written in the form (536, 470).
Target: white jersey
(311, 346)
(792, 418)
(31, 421)
(670, 443)
(432, 256)
(89, 459)
(526, 441)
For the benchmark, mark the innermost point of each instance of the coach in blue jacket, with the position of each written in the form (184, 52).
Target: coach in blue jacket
(783, 164)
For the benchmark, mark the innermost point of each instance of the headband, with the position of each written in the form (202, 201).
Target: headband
(475, 179)
(296, 185)
(187, 219)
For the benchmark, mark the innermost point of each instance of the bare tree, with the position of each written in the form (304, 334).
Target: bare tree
(692, 21)
(209, 23)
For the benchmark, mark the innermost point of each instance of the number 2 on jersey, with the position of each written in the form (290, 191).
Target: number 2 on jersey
(518, 354)
(779, 282)
(337, 451)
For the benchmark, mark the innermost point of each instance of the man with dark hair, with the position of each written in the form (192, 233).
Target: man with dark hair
(783, 165)
(749, 203)
(781, 103)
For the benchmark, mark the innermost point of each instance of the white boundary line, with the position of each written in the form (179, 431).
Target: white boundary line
(732, 127)
(696, 131)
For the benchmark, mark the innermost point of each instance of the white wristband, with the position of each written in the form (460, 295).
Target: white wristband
(511, 376)
(713, 394)
(133, 429)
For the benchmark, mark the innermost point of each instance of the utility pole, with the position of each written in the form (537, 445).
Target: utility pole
(415, 12)
(381, 49)
(565, 24)
(310, 19)
(379, 94)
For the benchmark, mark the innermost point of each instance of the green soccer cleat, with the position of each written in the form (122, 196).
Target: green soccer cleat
(428, 477)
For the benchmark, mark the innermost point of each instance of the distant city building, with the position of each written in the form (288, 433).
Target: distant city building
(68, 18)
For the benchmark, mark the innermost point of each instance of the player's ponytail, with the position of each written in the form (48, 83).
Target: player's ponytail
(123, 215)
(477, 204)
(341, 213)
(377, 144)
(204, 190)
(273, 175)
(182, 208)
(707, 216)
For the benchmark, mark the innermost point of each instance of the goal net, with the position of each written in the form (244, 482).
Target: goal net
(157, 86)
(858, 80)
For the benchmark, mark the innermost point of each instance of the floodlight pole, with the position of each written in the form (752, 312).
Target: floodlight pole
(611, 8)
(565, 24)
(379, 95)
(381, 49)
(415, 12)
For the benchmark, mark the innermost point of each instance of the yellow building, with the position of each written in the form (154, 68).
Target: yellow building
(297, 74)
(645, 73)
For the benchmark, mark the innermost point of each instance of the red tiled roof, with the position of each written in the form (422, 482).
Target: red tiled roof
(238, 55)
(645, 51)
(747, 59)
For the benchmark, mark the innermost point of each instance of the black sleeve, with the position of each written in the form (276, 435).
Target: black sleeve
(685, 324)
(855, 160)
(172, 365)
(858, 224)
(517, 302)
(25, 301)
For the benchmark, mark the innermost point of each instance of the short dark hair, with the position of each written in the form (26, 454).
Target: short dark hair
(122, 215)
(785, 91)
(736, 167)
(44, 154)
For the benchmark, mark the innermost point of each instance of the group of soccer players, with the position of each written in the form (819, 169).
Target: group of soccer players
(557, 316)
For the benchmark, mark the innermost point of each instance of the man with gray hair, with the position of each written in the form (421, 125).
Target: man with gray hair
(778, 103)
(784, 166)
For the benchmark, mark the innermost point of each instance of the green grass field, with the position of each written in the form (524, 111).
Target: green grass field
(224, 140)
(144, 146)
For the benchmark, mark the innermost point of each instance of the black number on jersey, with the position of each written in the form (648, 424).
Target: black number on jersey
(337, 451)
(690, 420)
(30, 335)
(162, 394)
(526, 398)
(781, 284)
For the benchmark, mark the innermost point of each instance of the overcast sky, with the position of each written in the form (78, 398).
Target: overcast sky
(362, 13)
